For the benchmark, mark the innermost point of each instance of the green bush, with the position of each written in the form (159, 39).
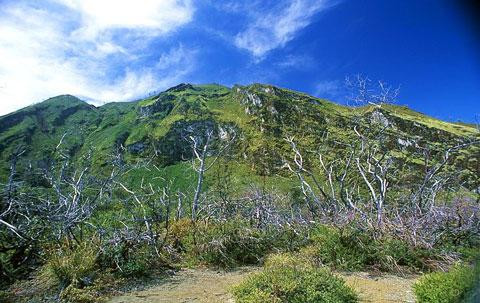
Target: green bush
(77, 265)
(349, 249)
(5, 296)
(229, 244)
(286, 278)
(446, 287)
(233, 243)
(72, 294)
(128, 259)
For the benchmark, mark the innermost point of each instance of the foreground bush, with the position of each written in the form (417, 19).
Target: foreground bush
(287, 278)
(74, 266)
(233, 243)
(72, 294)
(129, 260)
(446, 287)
(84, 271)
(350, 249)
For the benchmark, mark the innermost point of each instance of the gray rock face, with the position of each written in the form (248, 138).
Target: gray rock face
(162, 104)
(136, 148)
(379, 118)
(404, 142)
(253, 99)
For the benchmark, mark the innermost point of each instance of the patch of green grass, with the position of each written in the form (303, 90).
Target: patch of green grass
(408, 114)
(284, 279)
(453, 286)
(232, 243)
(74, 266)
(351, 250)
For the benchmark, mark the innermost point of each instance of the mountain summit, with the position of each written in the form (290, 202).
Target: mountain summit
(261, 115)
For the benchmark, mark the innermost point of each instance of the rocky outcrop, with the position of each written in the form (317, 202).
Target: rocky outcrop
(163, 104)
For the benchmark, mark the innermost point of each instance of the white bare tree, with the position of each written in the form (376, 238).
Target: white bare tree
(206, 147)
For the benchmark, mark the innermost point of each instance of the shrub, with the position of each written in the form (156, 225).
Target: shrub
(287, 279)
(288, 260)
(232, 243)
(16, 262)
(351, 249)
(77, 266)
(71, 294)
(128, 259)
(446, 287)
(229, 244)
(5, 296)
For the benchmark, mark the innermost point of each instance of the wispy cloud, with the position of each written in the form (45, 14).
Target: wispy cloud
(272, 29)
(301, 62)
(330, 89)
(153, 17)
(92, 49)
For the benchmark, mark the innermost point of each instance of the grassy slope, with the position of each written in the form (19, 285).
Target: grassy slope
(262, 128)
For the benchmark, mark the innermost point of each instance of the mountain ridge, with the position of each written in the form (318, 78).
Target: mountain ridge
(262, 115)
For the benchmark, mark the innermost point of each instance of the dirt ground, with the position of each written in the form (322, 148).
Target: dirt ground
(190, 285)
(381, 289)
(208, 286)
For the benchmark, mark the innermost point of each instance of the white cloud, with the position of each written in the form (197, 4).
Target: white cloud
(178, 56)
(302, 62)
(273, 29)
(328, 89)
(75, 47)
(158, 17)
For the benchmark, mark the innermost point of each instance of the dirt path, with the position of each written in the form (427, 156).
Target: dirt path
(209, 286)
(190, 285)
(381, 289)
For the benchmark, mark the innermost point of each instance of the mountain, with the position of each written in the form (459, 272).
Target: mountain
(261, 116)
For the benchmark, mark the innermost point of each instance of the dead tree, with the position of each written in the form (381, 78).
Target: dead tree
(423, 197)
(365, 165)
(375, 165)
(206, 147)
(67, 200)
(364, 91)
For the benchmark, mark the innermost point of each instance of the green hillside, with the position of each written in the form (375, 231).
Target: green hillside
(93, 198)
(261, 116)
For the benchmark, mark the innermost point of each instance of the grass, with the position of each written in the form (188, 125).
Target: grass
(100, 129)
(454, 286)
(256, 160)
(286, 279)
(411, 115)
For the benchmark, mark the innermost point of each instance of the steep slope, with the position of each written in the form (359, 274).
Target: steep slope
(37, 129)
(261, 116)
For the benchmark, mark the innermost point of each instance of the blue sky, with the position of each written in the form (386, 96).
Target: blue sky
(120, 50)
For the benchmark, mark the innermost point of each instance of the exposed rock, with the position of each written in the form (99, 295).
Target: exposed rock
(380, 118)
(272, 110)
(254, 99)
(404, 143)
(268, 90)
(163, 104)
(136, 148)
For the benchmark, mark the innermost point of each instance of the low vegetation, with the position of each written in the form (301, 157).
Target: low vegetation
(349, 249)
(289, 280)
(455, 285)
(342, 192)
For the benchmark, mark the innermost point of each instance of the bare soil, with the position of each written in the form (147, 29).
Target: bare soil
(381, 288)
(190, 285)
(208, 286)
